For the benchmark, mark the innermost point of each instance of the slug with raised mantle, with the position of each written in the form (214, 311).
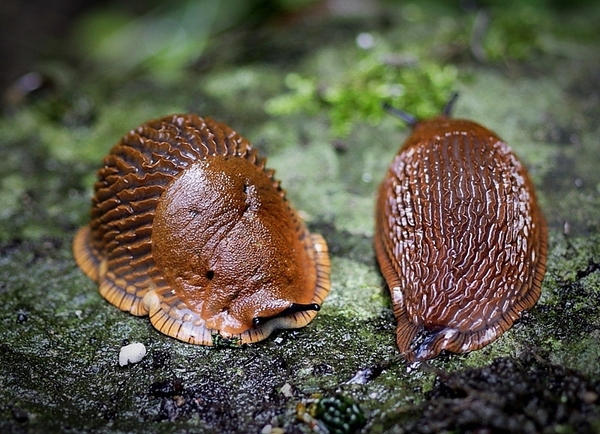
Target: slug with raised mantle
(459, 237)
(189, 227)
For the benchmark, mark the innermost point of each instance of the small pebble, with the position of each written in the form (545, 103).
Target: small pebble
(286, 390)
(132, 353)
(270, 429)
(22, 317)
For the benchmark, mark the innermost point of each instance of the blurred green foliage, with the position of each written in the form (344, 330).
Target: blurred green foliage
(163, 41)
(170, 36)
(379, 75)
(515, 30)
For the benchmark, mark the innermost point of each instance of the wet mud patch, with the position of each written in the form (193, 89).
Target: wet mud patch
(525, 395)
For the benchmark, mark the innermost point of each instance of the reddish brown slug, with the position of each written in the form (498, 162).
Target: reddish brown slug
(459, 237)
(189, 227)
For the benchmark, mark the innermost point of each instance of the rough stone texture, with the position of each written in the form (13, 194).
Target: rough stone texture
(60, 341)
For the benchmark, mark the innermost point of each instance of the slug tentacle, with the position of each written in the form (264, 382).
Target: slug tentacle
(447, 111)
(405, 116)
(189, 227)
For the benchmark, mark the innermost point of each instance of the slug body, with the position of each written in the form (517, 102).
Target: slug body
(459, 237)
(190, 227)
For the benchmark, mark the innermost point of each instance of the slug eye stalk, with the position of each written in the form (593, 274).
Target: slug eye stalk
(413, 120)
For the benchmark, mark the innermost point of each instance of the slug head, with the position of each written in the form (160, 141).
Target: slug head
(230, 247)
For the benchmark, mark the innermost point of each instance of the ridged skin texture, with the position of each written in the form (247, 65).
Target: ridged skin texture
(459, 237)
(190, 227)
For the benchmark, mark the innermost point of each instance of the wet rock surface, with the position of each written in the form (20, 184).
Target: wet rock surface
(537, 88)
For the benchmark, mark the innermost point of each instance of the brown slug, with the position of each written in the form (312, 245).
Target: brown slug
(459, 237)
(189, 227)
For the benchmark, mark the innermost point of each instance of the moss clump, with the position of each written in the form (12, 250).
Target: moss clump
(337, 414)
(378, 74)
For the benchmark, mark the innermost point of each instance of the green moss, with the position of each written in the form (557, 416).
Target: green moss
(370, 80)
